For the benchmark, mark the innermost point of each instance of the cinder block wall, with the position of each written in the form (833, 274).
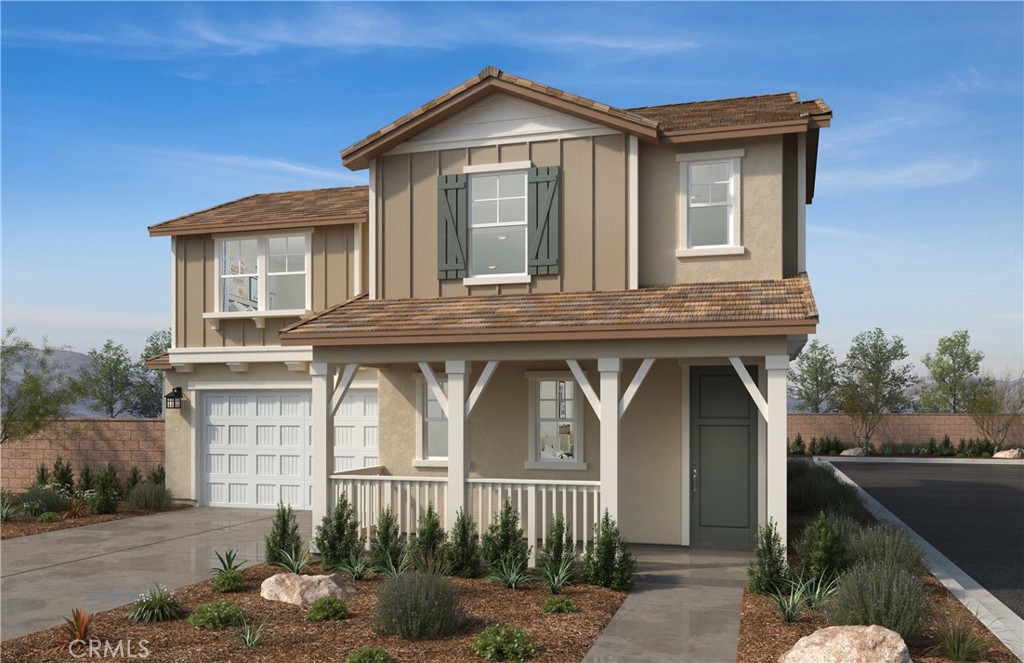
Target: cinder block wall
(94, 442)
(909, 428)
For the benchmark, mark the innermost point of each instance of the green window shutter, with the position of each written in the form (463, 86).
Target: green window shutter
(452, 231)
(543, 221)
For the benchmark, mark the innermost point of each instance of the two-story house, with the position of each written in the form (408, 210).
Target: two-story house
(537, 297)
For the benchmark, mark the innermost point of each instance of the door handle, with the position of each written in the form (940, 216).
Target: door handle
(693, 482)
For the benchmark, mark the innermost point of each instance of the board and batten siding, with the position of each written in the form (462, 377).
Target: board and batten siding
(594, 200)
(332, 263)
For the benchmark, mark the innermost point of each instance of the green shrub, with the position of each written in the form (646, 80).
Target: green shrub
(386, 547)
(157, 475)
(357, 566)
(430, 536)
(789, 598)
(608, 562)
(768, 572)
(510, 572)
(418, 606)
(558, 544)
(369, 655)
(462, 551)
(42, 475)
(104, 499)
(815, 488)
(133, 479)
(229, 581)
(821, 549)
(48, 517)
(116, 482)
(327, 609)
(959, 640)
(295, 563)
(556, 577)
(283, 535)
(40, 499)
(885, 544)
(559, 604)
(883, 594)
(798, 447)
(337, 537)
(504, 643)
(217, 615)
(504, 538)
(8, 507)
(150, 497)
(227, 562)
(85, 478)
(156, 605)
(63, 475)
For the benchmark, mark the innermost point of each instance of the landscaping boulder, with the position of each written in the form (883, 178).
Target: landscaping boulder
(849, 644)
(1009, 453)
(855, 451)
(303, 590)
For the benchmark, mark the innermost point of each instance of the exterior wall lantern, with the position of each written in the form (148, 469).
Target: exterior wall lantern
(172, 399)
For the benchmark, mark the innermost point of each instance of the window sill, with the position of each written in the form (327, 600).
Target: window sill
(555, 465)
(259, 317)
(508, 279)
(432, 463)
(711, 251)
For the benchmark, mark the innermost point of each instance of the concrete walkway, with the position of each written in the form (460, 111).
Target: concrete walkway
(685, 609)
(99, 567)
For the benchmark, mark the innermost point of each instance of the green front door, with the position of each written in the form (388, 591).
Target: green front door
(723, 457)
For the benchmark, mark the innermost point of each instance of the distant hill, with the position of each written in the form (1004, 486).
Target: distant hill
(71, 363)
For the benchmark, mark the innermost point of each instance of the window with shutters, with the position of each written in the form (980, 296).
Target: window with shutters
(498, 223)
(710, 209)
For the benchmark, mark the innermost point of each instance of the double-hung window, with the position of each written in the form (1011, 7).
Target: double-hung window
(556, 422)
(710, 209)
(497, 224)
(263, 274)
(432, 427)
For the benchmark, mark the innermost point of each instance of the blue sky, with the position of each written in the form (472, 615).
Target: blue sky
(116, 116)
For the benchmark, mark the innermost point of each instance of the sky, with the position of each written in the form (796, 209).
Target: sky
(116, 116)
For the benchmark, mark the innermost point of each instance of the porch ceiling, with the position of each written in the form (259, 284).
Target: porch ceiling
(705, 310)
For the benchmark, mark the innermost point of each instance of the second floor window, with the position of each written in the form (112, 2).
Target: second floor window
(710, 214)
(263, 274)
(497, 224)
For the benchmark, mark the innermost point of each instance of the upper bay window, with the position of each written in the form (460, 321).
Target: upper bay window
(265, 273)
(710, 208)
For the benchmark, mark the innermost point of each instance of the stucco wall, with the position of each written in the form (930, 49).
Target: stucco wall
(909, 428)
(93, 442)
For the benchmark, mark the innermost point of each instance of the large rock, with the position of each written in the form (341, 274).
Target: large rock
(303, 590)
(849, 644)
(855, 451)
(1009, 453)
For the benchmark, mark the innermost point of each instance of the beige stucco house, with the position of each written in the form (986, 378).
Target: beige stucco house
(537, 297)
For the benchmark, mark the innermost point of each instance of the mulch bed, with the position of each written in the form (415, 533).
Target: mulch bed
(28, 525)
(290, 637)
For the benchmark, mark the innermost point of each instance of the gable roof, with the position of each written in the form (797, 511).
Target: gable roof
(738, 308)
(773, 113)
(274, 211)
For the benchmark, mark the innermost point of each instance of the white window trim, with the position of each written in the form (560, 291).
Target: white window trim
(497, 167)
(259, 316)
(735, 246)
(498, 279)
(421, 459)
(533, 461)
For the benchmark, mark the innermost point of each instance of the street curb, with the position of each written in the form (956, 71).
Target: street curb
(919, 461)
(990, 611)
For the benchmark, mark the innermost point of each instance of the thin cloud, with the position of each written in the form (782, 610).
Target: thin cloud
(244, 164)
(916, 175)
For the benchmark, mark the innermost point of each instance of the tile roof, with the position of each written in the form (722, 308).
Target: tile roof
(740, 111)
(160, 362)
(664, 311)
(265, 211)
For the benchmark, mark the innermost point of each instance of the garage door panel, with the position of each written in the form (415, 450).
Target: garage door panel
(291, 436)
(236, 435)
(266, 494)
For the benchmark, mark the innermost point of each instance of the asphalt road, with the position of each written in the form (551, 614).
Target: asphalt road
(973, 514)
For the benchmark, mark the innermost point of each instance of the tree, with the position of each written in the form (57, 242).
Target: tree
(147, 396)
(954, 372)
(814, 378)
(872, 383)
(110, 379)
(45, 392)
(998, 406)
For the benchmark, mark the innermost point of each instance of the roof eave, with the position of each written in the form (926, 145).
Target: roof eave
(158, 231)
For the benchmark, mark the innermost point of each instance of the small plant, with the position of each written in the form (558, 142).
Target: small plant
(42, 475)
(85, 478)
(462, 551)
(608, 562)
(510, 572)
(229, 581)
(39, 499)
(556, 577)
(133, 479)
(798, 447)
(75, 509)
(148, 496)
(559, 543)
(337, 537)
(789, 600)
(283, 535)
(294, 561)
(883, 594)
(327, 609)
(768, 572)
(958, 639)
(430, 537)
(369, 655)
(356, 566)
(104, 500)
(386, 548)
(217, 615)
(426, 561)
(504, 643)
(63, 475)
(821, 549)
(156, 605)
(78, 627)
(818, 590)
(559, 604)
(227, 562)
(157, 475)
(48, 517)
(884, 544)
(251, 634)
(417, 606)
(8, 509)
(504, 538)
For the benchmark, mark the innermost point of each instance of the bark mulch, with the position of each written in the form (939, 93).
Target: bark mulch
(290, 637)
(27, 525)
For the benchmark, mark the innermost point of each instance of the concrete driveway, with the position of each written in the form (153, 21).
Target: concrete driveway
(98, 567)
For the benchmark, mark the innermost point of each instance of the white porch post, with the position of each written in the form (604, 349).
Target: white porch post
(609, 368)
(323, 460)
(458, 372)
(777, 367)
